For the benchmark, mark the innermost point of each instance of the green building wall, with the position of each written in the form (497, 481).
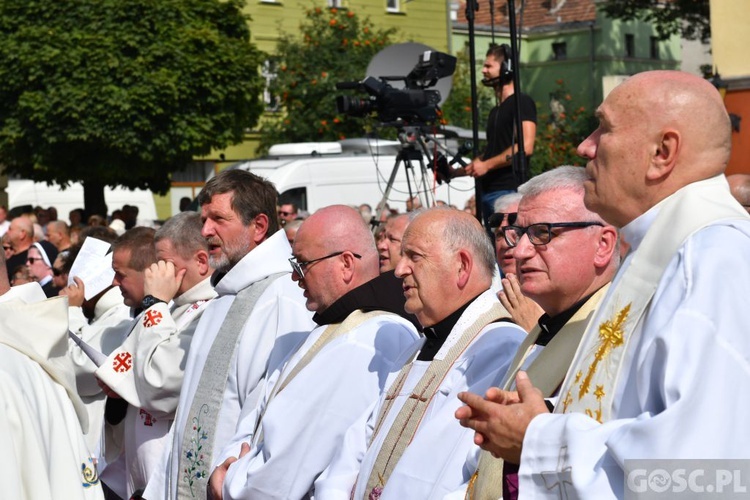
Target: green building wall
(594, 50)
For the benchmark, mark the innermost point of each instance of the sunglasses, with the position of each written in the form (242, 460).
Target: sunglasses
(7, 247)
(57, 272)
(31, 260)
(285, 214)
(496, 219)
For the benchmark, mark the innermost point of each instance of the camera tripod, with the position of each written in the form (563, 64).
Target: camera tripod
(418, 150)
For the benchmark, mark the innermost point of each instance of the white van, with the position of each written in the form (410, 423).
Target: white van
(352, 172)
(25, 192)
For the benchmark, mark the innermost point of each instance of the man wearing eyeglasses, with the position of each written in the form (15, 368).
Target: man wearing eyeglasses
(661, 372)
(565, 257)
(257, 318)
(333, 377)
(410, 446)
(524, 311)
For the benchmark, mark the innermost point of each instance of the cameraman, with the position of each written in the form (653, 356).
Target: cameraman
(494, 169)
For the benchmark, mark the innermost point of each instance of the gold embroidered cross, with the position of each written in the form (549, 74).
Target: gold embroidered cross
(611, 335)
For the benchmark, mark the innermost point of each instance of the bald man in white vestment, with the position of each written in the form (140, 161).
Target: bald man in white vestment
(661, 372)
(408, 445)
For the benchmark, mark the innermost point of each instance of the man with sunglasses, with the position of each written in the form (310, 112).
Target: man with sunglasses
(524, 311)
(566, 255)
(340, 370)
(258, 316)
(288, 212)
(661, 372)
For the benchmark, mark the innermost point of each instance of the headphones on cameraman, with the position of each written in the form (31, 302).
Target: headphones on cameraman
(506, 68)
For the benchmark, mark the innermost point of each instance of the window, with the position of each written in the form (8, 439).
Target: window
(268, 72)
(298, 196)
(393, 5)
(559, 51)
(629, 45)
(654, 48)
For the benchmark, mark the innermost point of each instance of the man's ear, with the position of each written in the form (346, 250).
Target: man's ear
(348, 266)
(606, 247)
(465, 265)
(664, 157)
(261, 228)
(201, 259)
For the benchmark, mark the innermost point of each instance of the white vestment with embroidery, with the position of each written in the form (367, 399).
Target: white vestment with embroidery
(684, 391)
(434, 462)
(278, 323)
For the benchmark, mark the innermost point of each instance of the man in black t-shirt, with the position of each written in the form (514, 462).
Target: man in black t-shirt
(494, 169)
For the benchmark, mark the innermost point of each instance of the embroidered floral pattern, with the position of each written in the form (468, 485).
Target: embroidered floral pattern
(90, 476)
(197, 469)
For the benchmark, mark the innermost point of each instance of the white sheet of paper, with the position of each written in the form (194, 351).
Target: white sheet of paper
(97, 357)
(93, 266)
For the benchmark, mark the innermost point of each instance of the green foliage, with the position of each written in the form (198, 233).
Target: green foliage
(559, 133)
(116, 92)
(457, 108)
(332, 45)
(691, 18)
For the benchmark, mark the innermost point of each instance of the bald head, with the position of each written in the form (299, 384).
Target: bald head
(343, 248)
(447, 261)
(659, 131)
(692, 106)
(21, 233)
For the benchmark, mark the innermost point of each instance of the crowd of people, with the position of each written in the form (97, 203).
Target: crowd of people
(250, 350)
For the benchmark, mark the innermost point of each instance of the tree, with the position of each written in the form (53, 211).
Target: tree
(457, 108)
(560, 131)
(691, 18)
(117, 92)
(332, 46)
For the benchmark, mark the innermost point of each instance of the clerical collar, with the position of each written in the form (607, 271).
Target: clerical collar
(383, 293)
(436, 334)
(550, 325)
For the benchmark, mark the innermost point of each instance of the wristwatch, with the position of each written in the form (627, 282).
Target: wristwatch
(150, 300)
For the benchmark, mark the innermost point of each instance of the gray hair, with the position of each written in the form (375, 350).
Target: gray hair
(458, 234)
(563, 177)
(183, 230)
(507, 200)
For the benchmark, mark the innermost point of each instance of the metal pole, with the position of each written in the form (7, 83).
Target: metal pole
(521, 173)
(471, 7)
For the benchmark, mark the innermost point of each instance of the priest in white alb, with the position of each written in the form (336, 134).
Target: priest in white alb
(409, 445)
(662, 370)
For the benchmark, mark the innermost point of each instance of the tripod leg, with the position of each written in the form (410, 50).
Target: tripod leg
(381, 206)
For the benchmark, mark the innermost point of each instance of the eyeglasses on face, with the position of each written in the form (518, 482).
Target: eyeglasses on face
(496, 219)
(540, 233)
(299, 267)
(7, 247)
(285, 214)
(31, 260)
(57, 272)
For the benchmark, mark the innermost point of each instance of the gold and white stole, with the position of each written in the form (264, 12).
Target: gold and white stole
(599, 362)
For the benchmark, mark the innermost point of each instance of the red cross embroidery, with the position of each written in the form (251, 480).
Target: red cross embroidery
(147, 418)
(151, 318)
(122, 362)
